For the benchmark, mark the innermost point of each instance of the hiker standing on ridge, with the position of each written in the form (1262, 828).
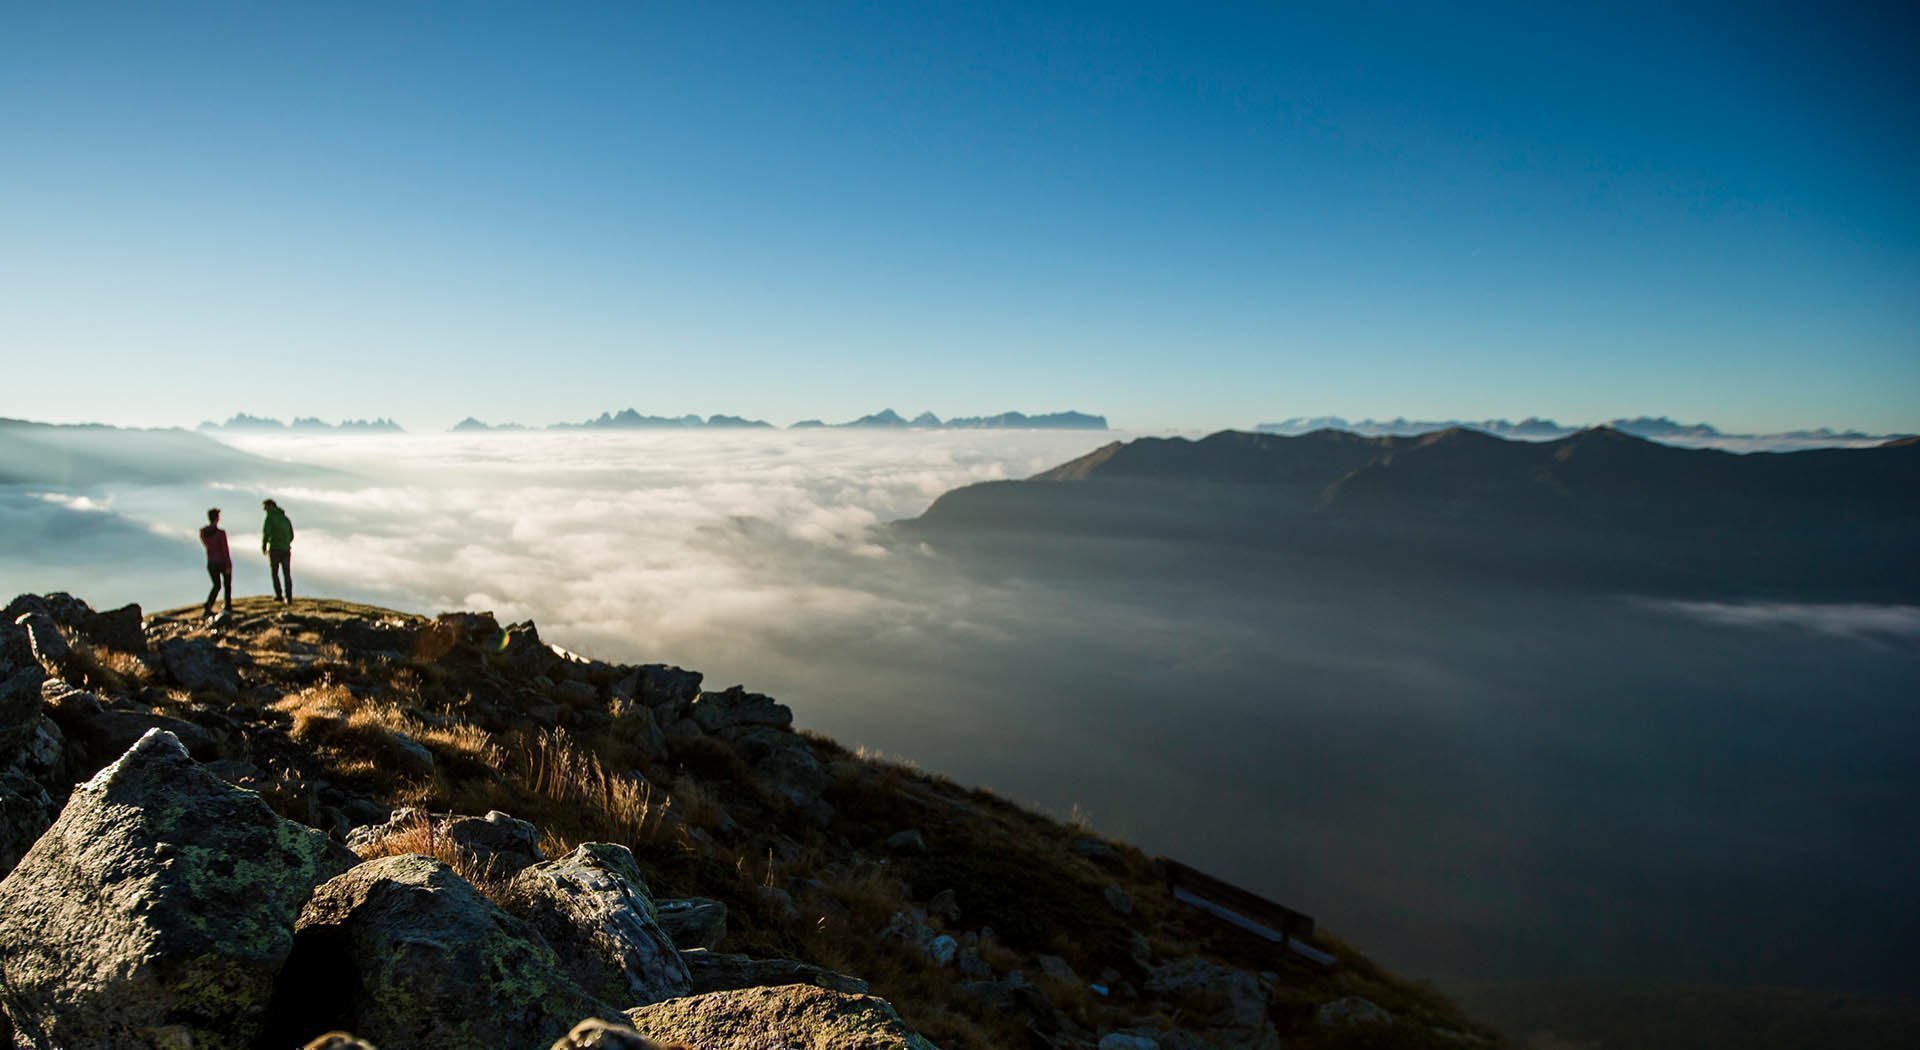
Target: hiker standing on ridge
(219, 559)
(276, 542)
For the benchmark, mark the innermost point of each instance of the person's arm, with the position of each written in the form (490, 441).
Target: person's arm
(266, 530)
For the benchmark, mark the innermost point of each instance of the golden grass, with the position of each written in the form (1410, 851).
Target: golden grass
(419, 837)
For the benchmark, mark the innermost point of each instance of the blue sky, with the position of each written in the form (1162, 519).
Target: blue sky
(1179, 217)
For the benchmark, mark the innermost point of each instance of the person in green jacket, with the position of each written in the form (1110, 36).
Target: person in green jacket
(276, 542)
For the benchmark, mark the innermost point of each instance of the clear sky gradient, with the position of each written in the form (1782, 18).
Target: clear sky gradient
(1178, 215)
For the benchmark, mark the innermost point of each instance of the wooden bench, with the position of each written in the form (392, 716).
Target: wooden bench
(1244, 909)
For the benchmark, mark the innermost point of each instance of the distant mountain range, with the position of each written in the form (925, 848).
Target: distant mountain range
(1533, 428)
(630, 419)
(243, 423)
(1599, 506)
(85, 455)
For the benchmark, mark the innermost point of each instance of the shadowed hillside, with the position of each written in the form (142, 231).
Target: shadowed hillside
(341, 784)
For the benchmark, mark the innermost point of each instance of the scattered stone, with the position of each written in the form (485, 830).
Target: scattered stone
(693, 922)
(161, 900)
(414, 956)
(941, 950)
(788, 1016)
(1098, 852)
(908, 841)
(945, 904)
(1351, 1010)
(594, 909)
(1127, 1041)
(1057, 968)
(1117, 899)
(412, 756)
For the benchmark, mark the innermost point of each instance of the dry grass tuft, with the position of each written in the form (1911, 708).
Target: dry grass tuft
(418, 837)
(620, 806)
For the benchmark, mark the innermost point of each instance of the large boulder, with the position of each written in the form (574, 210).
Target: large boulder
(157, 910)
(594, 908)
(123, 629)
(404, 953)
(794, 1017)
(21, 709)
(26, 812)
(50, 648)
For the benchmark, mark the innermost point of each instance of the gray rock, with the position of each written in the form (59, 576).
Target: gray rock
(522, 651)
(413, 757)
(637, 723)
(1117, 899)
(1057, 968)
(122, 629)
(908, 841)
(1238, 999)
(601, 1035)
(941, 950)
(735, 707)
(1098, 852)
(693, 922)
(682, 732)
(413, 956)
(945, 904)
(21, 709)
(1127, 1041)
(50, 648)
(788, 1016)
(660, 686)
(1351, 1010)
(26, 812)
(69, 704)
(198, 665)
(114, 730)
(575, 693)
(161, 901)
(594, 909)
(721, 971)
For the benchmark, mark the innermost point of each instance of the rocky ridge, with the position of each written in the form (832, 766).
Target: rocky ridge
(322, 819)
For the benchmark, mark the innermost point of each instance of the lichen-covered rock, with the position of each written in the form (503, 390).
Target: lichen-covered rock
(159, 907)
(793, 1017)
(723, 972)
(405, 953)
(594, 908)
(692, 922)
(595, 1034)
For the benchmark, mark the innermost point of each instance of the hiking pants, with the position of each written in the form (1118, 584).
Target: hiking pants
(280, 564)
(222, 576)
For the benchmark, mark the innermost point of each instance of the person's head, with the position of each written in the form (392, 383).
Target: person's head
(270, 505)
(213, 515)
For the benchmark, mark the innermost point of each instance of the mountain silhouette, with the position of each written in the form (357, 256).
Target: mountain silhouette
(1598, 506)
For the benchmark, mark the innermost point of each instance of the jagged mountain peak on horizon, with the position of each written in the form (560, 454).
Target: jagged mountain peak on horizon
(241, 422)
(1536, 428)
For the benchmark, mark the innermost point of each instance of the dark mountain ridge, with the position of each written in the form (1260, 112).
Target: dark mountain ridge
(1595, 505)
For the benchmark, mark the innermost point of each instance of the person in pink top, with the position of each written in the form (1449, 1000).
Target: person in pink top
(219, 561)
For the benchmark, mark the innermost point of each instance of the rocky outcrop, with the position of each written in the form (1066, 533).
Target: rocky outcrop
(736, 708)
(157, 910)
(1230, 1003)
(793, 1017)
(594, 909)
(404, 953)
(198, 665)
